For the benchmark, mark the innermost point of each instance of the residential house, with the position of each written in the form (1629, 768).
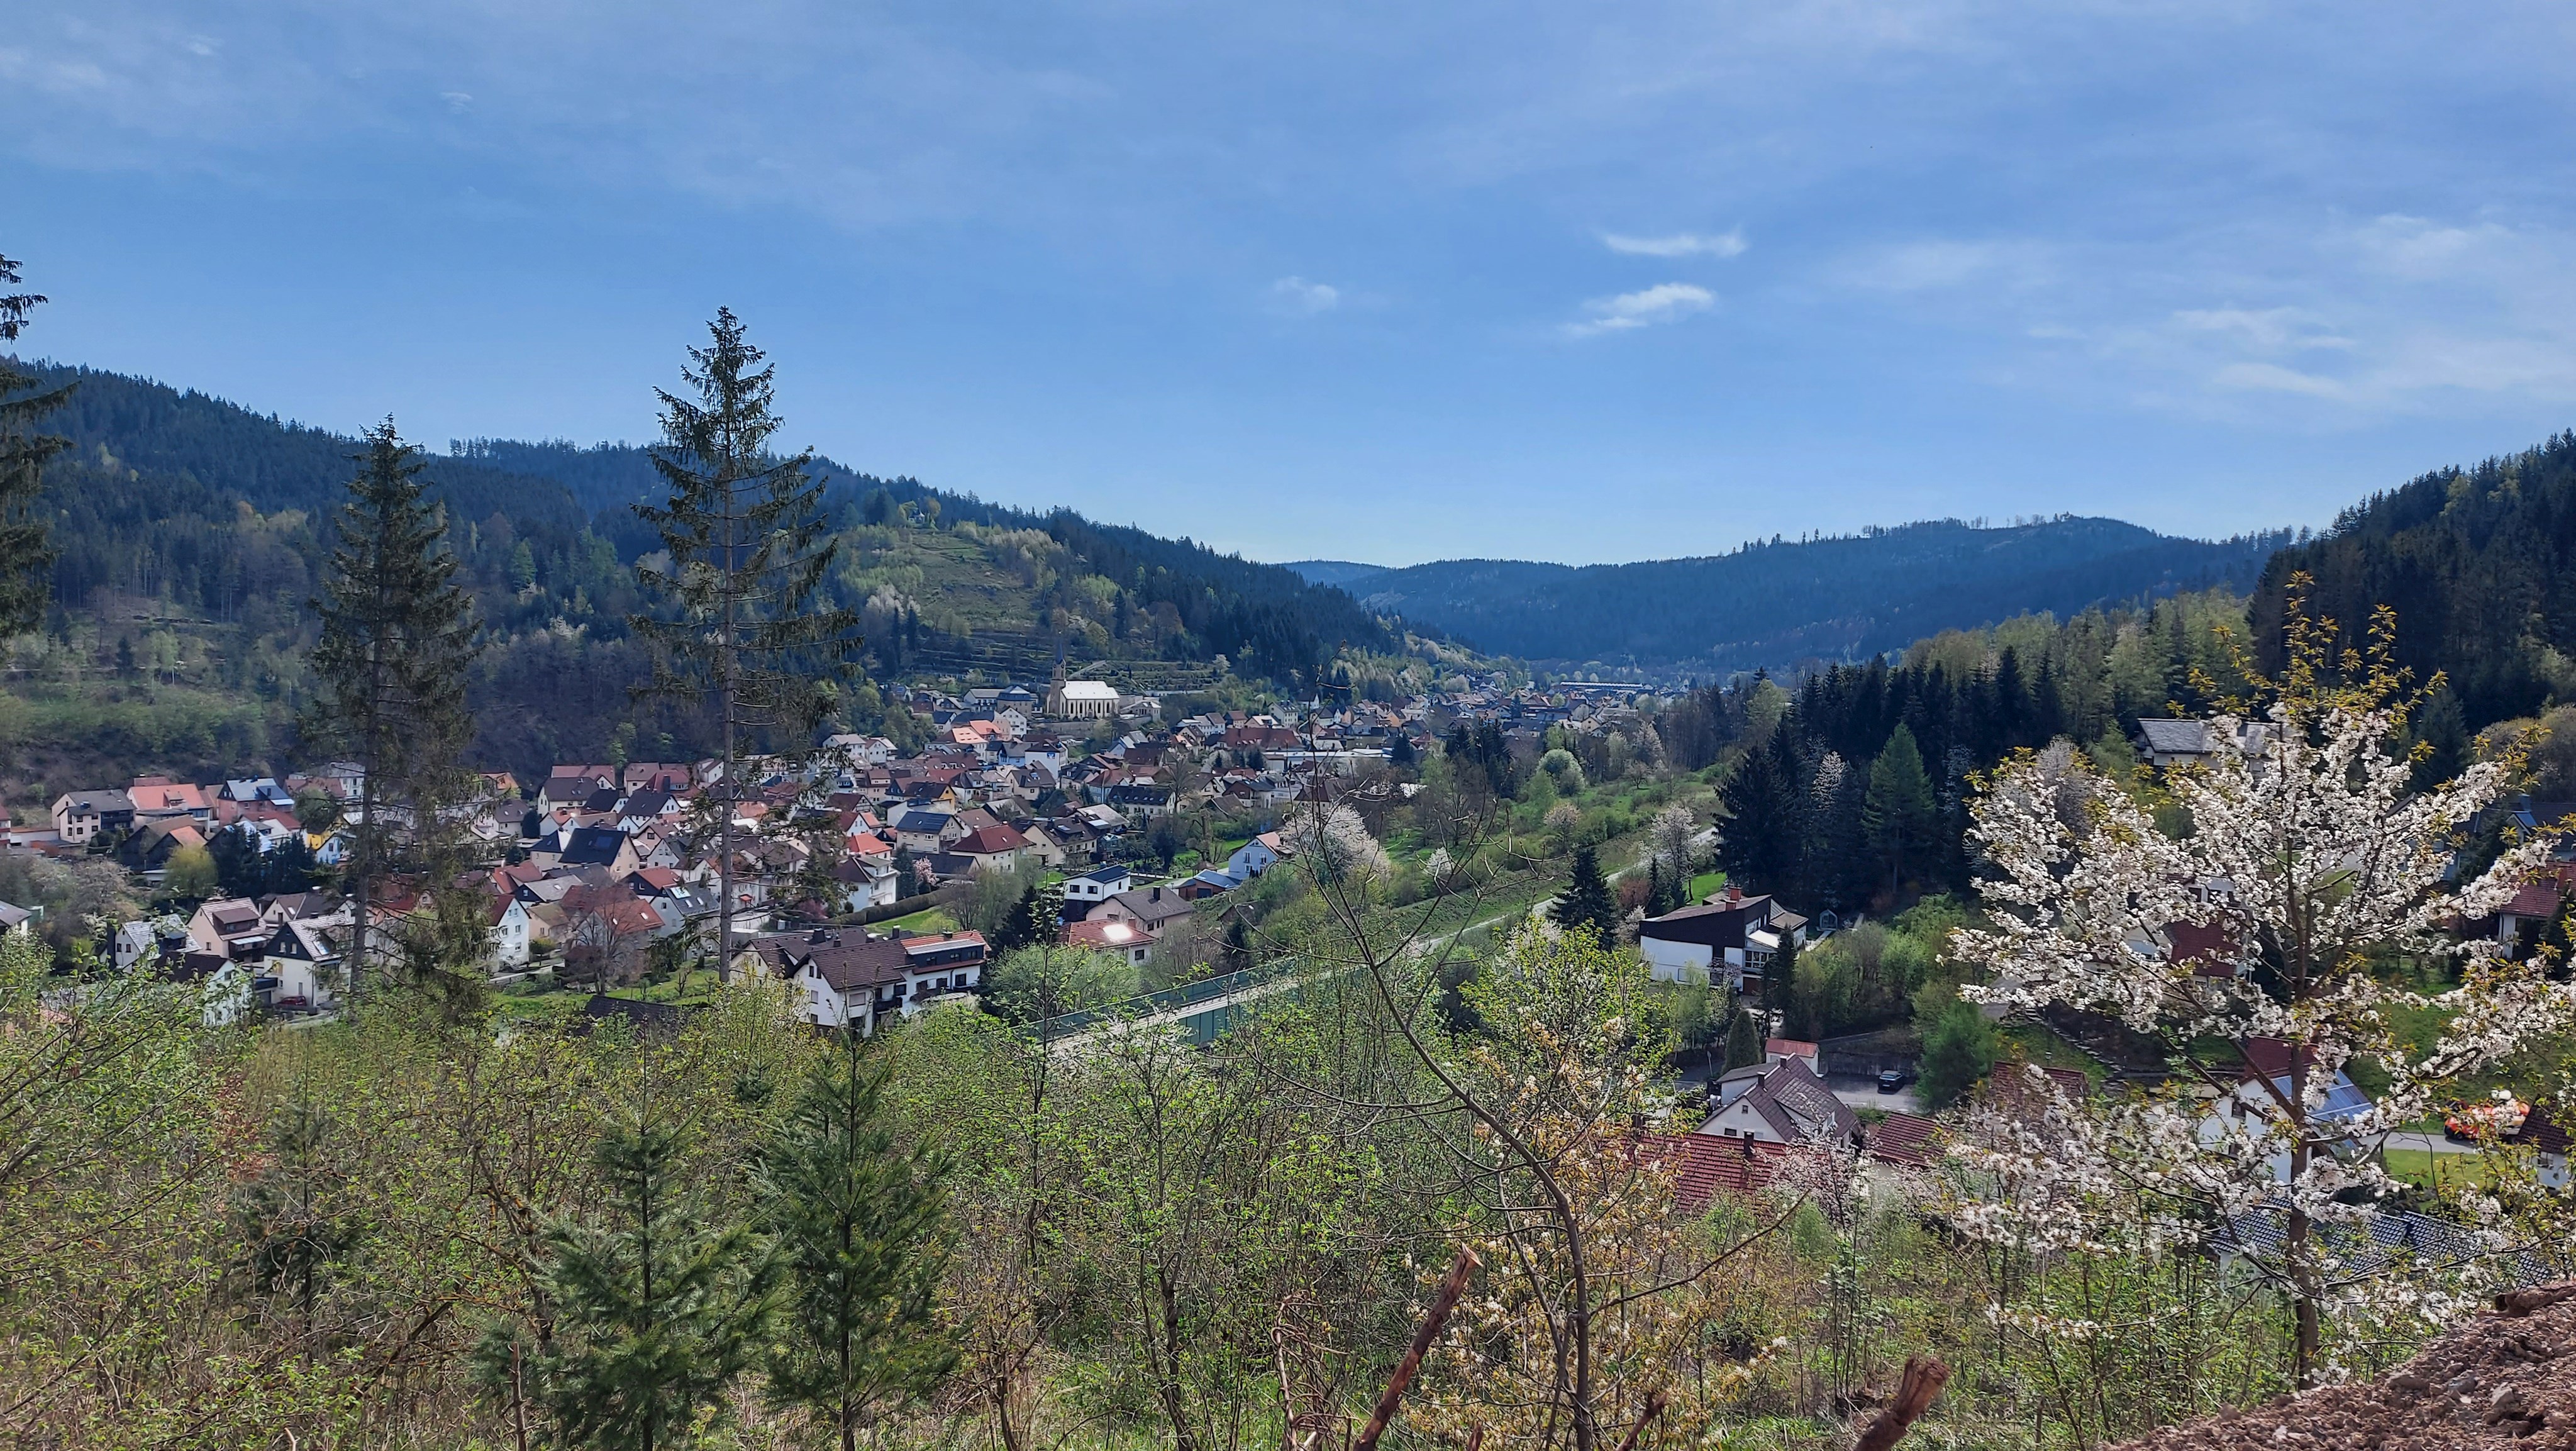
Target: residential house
(80, 816)
(1094, 887)
(1122, 937)
(158, 798)
(2548, 1145)
(1140, 801)
(849, 979)
(1731, 939)
(1780, 1102)
(2263, 1084)
(17, 921)
(1152, 909)
(995, 848)
(1781, 1050)
(300, 963)
(923, 832)
(2188, 742)
(227, 927)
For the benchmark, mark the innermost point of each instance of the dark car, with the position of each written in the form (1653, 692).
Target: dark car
(1891, 1080)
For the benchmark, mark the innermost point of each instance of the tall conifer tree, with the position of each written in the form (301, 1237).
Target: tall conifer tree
(397, 638)
(744, 626)
(1587, 899)
(1899, 812)
(856, 1223)
(24, 554)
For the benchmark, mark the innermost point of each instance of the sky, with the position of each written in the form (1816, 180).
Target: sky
(1573, 281)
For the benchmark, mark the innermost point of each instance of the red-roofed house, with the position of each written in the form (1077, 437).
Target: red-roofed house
(1125, 938)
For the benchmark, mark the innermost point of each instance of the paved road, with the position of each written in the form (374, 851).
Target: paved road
(2431, 1143)
(1861, 1092)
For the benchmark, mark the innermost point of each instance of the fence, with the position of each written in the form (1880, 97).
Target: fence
(1170, 1000)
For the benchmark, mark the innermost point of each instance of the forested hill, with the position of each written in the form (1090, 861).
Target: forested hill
(2480, 566)
(191, 533)
(1779, 603)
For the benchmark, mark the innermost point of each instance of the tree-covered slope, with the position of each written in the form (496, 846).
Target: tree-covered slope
(1777, 603)
(2479, 565)
(191, 534)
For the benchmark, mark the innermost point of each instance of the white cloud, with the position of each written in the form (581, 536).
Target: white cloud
(2273, 329)
(2272, 378)
(1301, 298)
(1664, 302)
(1679, 244)
(458, 101)
(1919, 266)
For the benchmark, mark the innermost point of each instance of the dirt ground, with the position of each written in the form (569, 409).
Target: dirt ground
(2508, 1378)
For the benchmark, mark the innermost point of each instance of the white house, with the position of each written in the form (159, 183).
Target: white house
(510, 937)
(2267, 1074)
(848, 979)
(1097, 886)
(1779, 1102)
(1732, 940)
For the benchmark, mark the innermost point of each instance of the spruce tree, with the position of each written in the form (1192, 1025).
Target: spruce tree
(1587, 899)
(743, 624)
(1033, 919)
(292, 1236)
(1899, 811)
(1743, 1041)
(656, 1311)
(1760, 843)
(1958, 1052)
(857, 1224)
(25, 556)
(397, 639)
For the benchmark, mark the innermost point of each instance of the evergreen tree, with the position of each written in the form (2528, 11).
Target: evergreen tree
(1032, 920)
(656, 1311)
(1899, 812)
(745, 626)
(1759, 844)
(389, 673)
(25, 553)
(1743, 1041)
(292, 1237)
(857, 1225)
(241, 870)
(1587, 899)
(1958, 1052)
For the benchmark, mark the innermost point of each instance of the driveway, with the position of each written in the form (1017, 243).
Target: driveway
(1861, 1092)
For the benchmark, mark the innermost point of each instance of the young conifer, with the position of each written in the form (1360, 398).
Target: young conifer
(1587, 900)
(743, 624)
(657, 1311)
(857, 1224)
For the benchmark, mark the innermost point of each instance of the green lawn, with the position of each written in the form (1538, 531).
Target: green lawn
(2437, 1171)
(1705, 883)
(929, 919)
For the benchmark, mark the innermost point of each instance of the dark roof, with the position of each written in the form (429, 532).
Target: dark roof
(592, 845)
(2540, 1131)
(1721, 924)
(1793, 1100)
(846, 960)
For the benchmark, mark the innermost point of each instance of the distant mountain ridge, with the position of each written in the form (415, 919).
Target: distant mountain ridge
(1841, 598)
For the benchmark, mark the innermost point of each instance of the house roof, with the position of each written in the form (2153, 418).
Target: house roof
(1105, 934)
(1794, 1102)
(1789, 1047)
(847, 961)
(1705, 1167)
(1151, 905)
(2540, 1131)
(989, 841)
(592, 845)
(1909, 1139)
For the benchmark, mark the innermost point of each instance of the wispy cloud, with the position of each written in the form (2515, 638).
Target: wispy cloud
(1942, 262)
(1662, 303)
(1679, 244)
(1300, 298)
(2272, 329)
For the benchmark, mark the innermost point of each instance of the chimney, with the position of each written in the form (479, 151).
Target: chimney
(1734, 894)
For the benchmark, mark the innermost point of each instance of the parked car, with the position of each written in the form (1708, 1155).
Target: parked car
(1891, 1079)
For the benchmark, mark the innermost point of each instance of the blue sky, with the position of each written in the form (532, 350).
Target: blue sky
(1570, 281)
